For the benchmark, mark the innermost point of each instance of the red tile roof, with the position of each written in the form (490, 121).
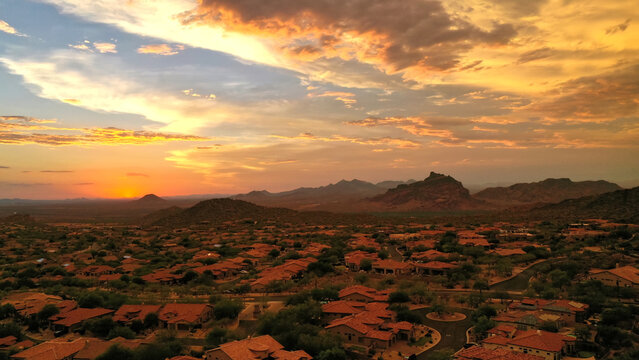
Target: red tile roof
(77, 316)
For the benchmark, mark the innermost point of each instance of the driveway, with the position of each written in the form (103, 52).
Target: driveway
(453, 333)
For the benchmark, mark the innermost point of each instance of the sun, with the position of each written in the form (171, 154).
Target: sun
(123, 191)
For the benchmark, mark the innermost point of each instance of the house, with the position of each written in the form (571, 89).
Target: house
(185, 316)
(363, 331)
(548, 345)
(625, 276)
(29, 304)
(482, 353)
(526, 320)
(259, 348)
(429, 255)
(127, 313)
(363, 294)
(96, 347)
(569, 311)
(433, 268)
(389, 266)
(58, 349)
(508, 252)
(354, 259)
(71, 321)
(342, 308)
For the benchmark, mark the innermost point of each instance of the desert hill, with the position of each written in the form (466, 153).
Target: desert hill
(546, 191)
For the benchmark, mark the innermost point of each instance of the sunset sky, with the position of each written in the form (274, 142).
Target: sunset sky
(119, 98)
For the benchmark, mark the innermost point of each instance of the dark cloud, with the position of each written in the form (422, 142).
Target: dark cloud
(56, 171)
(4, 167)
(618, 28)
(399, 34)
(535, 55)
(521, 7)
(84, 184)
(24, 184)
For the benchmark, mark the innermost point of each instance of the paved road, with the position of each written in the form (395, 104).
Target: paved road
(453, 333)
(519, 282)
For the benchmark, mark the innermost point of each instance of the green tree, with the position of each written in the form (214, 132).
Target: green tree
(151, 321)
(228, 308)
(116, 352)
(366, 264)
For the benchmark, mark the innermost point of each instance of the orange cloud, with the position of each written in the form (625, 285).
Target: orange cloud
(386, 141)
(160, 49)
(345, 97)
(26, 130)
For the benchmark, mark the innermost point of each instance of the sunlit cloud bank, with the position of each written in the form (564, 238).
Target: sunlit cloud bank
(27, 130)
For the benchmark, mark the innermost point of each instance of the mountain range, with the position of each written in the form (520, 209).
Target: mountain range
(546, 191)
(330, 197)
(437, 192)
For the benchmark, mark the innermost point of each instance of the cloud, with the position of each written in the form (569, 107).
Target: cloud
(105, 48)
(602, 97)
(536, 54)
(392, 35)
(84, 184)
(413, 124)
(101, 47)
(4, 167)
(5, 27)
(28, 130)
(191, 92)
(618, 28)
(385, 141)
(345, 97)
(133, 174)
(160, 49)
(57, 171)
(92, 82)
(24, 184)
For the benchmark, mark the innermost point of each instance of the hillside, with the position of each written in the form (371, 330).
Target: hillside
(620, 205)
(435, 193)
(546, 191)
(217, 211)
(320, 198)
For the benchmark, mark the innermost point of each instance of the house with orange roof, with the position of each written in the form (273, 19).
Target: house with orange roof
(392, 267)
(433, 268)
(471, 238)
(72, 320)
(354, 259)
(548, 345)
(258, 348)
(429, 255)
(58, 349)
(482, 353)
(162, 276)
(569, 311)
(362, 294)
(366, 329)
(127, 313)
(28, 304)
(96, 347)
(625, 276)
(508, 252)
(185, 316)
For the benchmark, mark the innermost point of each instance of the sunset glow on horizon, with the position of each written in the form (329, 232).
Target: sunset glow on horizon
(117, 99)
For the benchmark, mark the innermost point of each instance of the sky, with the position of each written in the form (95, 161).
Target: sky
(115, 98)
